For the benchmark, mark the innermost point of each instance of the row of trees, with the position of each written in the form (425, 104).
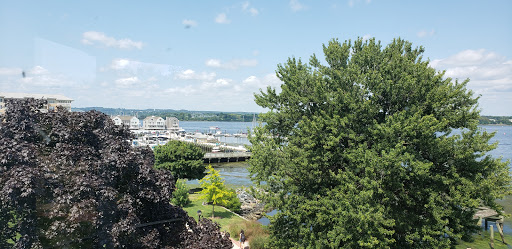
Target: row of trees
(182, 115)
(495, 120)
(361, 153)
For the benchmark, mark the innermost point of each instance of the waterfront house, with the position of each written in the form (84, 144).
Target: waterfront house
(153, 123)
(130, 121)
(172, 124)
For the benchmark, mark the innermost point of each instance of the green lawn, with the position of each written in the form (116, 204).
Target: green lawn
(483, 242)
(223, 217)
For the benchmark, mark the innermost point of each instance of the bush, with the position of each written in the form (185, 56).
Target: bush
(256, 233)
(259, 242)
(180, 195)
(233, 203)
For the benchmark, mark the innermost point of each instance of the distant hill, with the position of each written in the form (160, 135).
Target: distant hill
(502, 120)
(185, 115)
(182, 115)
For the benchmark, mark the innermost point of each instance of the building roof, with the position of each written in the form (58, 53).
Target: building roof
(152, 117)
(33, 95)
(125, 118)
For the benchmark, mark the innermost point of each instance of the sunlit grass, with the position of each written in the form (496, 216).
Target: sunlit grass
(223, 217)
(483, 241)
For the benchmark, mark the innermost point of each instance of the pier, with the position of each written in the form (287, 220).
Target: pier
(222, 157)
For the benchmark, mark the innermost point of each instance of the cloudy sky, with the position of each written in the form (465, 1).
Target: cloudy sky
(213, 55)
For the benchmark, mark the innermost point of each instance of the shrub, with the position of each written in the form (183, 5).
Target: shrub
(259, 242)
(180, 195)
(71, 180)
(233, 203)
(256, 233)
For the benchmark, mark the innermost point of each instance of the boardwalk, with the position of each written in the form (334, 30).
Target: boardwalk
(219, 157)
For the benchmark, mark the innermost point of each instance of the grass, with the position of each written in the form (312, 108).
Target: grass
(255, 232)
(483, 241)
(223, 217)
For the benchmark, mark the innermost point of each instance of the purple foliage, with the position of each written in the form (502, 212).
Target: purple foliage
(71, 179)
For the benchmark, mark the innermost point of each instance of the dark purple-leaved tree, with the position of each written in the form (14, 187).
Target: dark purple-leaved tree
(71, 179)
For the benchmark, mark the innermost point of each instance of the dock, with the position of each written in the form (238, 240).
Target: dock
(222, 157)
(487, 214)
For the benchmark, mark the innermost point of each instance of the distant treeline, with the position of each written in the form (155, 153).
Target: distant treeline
(182, 115)
(495, 120)
(185, 115)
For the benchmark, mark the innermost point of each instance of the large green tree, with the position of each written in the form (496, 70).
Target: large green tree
(374, 149)
(184, 160)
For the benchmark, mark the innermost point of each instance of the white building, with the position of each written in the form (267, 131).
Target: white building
(130, 121)
(54, 100)
(172, 124)
(153, 123)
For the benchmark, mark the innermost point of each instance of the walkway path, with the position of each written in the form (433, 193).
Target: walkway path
(235, 244)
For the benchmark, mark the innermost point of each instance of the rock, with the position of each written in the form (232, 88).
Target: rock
(251, 208)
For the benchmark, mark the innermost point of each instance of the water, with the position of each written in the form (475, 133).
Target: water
(224, 127)
(504, 138)
(237, 175)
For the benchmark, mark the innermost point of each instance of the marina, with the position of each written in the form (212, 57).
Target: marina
(220, 141)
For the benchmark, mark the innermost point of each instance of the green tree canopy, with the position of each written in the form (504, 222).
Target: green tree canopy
(374, 149)
(214, 190)
(184, 160)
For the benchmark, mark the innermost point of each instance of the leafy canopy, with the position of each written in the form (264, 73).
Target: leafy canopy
(71, 180)
(180, 195)
(373, 149)
(184, 160)
(213, 189)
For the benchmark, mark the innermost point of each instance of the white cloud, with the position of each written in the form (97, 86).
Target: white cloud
(351, 3)
(94, 37)
(246, 7)
(190, 74)
(471, 57)
(189, 23)
(366, 37)
(119, 64)
(216, 84)
(490, 74)
(296, 6)
(222, 18)
(424, 33)
(254, 11)
(213, 63)
(136, 67)
(252, 83)
(38, 70)
(251, 80)
(127, 82)
(186, 90)
(232, 64)
(8, 71)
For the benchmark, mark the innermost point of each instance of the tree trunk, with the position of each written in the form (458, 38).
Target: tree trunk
(213, 211)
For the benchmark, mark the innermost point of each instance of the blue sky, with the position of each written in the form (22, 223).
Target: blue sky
(213, 55)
